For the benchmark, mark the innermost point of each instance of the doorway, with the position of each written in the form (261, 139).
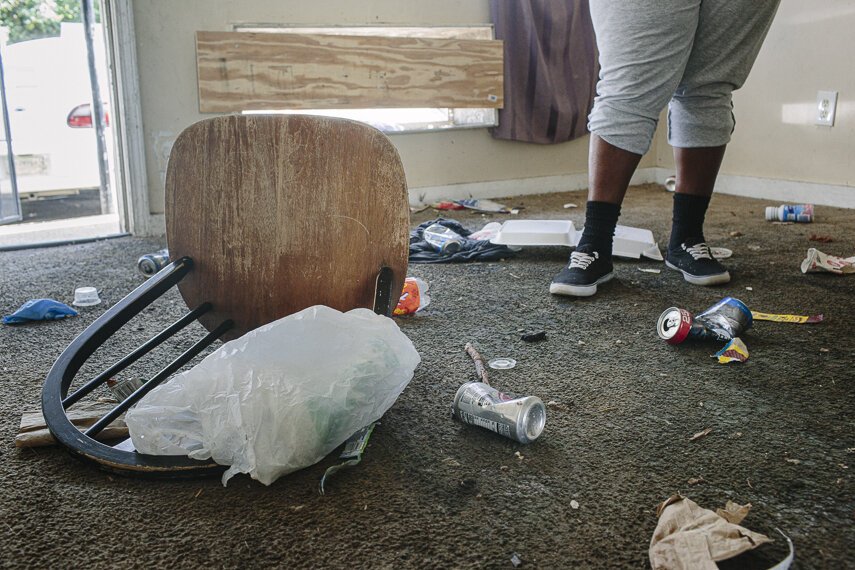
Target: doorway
(54, 185)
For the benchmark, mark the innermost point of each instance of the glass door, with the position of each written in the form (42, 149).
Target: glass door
(10, 205)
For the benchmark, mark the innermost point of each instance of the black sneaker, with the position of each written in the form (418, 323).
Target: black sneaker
(585, 271)
(697, 264)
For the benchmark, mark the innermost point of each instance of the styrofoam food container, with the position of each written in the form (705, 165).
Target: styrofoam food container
(537, 232)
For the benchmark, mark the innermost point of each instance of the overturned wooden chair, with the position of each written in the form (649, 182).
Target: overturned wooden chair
(265, 216)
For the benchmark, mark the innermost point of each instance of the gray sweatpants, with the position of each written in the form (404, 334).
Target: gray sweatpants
(694, 53)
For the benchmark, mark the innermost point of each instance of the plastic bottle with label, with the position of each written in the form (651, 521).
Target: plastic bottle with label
(443, 239)
(790, 213)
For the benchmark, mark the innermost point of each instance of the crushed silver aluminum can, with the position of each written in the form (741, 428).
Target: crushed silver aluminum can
(521, 418)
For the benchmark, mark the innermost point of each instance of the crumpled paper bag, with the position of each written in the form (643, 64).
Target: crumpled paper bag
(689, 537)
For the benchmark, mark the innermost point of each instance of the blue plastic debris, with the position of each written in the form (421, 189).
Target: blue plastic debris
(39, 310)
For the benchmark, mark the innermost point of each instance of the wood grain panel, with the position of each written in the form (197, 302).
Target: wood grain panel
(240, 71)
(282, 212)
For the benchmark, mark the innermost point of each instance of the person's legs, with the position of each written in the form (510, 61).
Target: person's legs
(700, 122)
(643, 49)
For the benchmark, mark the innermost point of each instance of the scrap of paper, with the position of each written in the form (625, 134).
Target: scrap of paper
(817, 261)
(690, 537)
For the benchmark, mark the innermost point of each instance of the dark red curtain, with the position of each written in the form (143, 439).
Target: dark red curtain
(550, 69)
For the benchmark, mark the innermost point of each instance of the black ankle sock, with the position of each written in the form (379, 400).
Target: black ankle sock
(687, 222)
(600, 221)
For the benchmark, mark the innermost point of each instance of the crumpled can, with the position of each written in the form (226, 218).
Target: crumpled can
(724, 321)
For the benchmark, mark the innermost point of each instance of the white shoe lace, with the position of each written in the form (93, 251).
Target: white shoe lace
(582, 260)
(699, 251)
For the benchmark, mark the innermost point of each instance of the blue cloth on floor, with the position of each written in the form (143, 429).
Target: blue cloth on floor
(39, 310)
(471, 250)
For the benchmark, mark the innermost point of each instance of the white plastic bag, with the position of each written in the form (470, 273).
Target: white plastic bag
(281, 397)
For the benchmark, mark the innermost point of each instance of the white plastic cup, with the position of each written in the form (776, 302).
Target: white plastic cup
(86, 297)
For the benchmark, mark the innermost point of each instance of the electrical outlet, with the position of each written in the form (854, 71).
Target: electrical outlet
(826, 107)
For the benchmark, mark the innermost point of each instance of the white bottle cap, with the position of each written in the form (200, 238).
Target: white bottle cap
(771, 214)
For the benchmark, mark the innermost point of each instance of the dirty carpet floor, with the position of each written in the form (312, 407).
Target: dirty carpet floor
(432, 493)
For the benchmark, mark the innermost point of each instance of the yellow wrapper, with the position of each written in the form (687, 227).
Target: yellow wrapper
(799, 319)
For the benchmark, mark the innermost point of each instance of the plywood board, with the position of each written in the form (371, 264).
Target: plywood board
(35, 433)
(240, 71)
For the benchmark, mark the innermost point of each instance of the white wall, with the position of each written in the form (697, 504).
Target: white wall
(810, 47)
(165, 49)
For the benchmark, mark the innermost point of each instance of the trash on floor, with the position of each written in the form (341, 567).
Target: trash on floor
(516, 561)
(39, 310)
(354, 447)
(724, 321)
(121, 389)
(533, 336)
(86, 297)
(799, 319)
(502, 363)
(649, 270)
(628, 242)
(488, 232)
(820, 239)
(537, 233)
(521, 418)
(281, 397)
(721, 252)
(447, 205)
(414, 297)
(480, 205)
(480, 370)
(470, 250)
(701, 434)
(802, 213)
(817, 262)
(734, 512)
(34, 432)
(151, 263)
(688, 536)
(443, 239)
(733, 351)
(671, 183)
(570, 205)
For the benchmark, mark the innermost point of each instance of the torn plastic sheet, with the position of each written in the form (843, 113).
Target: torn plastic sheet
(354, 447)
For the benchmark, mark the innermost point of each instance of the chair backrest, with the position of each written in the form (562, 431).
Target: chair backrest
(282, 212)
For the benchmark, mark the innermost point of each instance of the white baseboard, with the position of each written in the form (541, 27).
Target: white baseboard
(517, 187)
(746, 186)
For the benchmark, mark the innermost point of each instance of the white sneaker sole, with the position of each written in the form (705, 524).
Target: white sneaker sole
(717, 279)
(579, 290)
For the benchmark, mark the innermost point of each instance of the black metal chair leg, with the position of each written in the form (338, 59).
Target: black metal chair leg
(61, 375)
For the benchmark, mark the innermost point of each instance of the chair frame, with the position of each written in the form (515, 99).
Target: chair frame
(56, 400)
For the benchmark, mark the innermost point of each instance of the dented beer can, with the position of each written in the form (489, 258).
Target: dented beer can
(724, 321)
(520, 418)
(151, 263)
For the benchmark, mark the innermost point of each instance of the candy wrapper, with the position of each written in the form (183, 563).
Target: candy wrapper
(414, 297)
(817, 262)
(734, 351)
(798, 319)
